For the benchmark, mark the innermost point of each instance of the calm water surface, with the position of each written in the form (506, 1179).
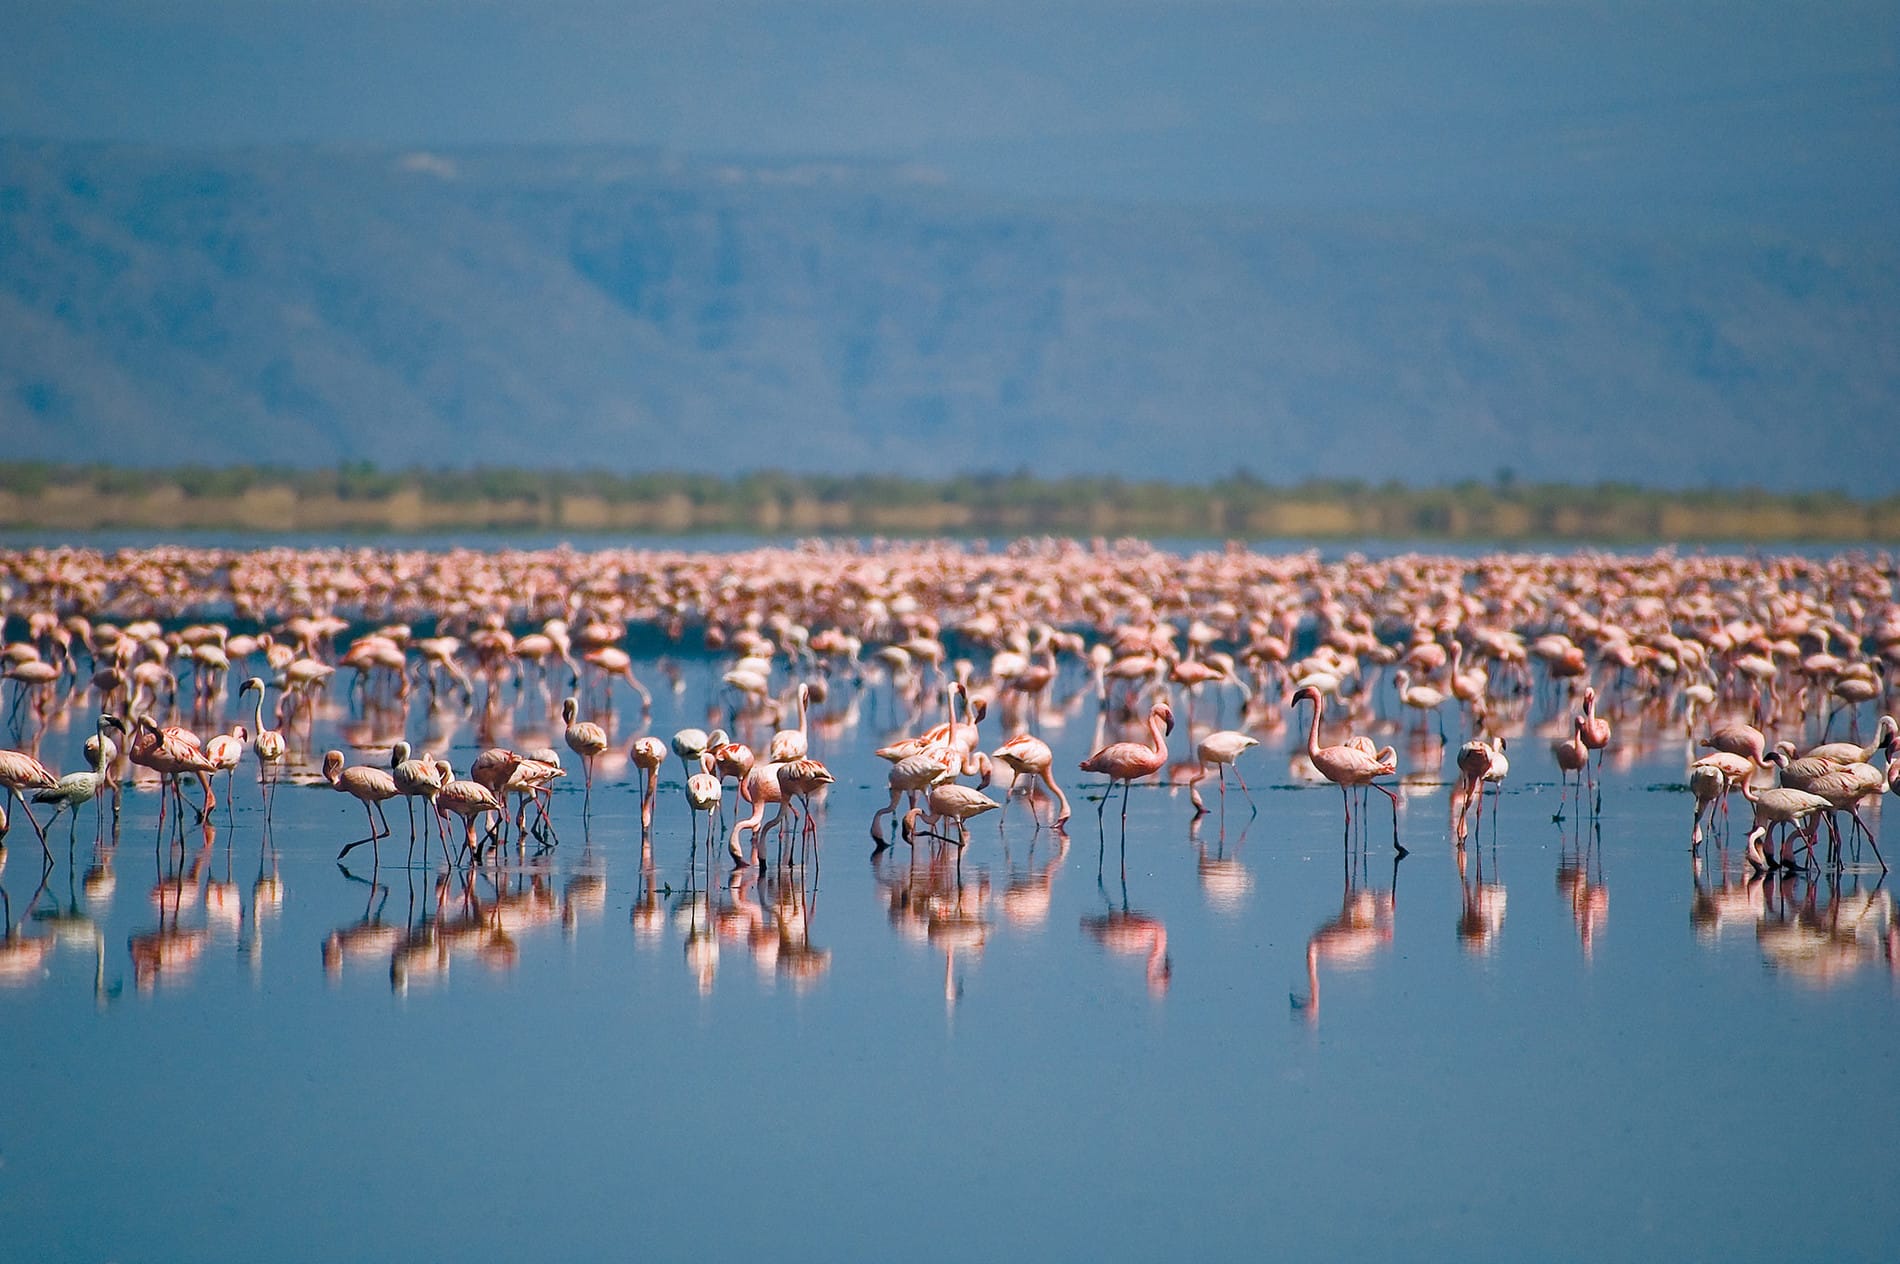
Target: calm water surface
(1262, 1040)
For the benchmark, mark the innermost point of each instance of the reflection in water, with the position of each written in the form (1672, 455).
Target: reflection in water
(22, 955)
(931, 900)
(1134, 933)
(1029, 889)
(367, 938)
(1724, 903)
(1819, 934)
(172, 948)
(1352, 939)
(197, 902)
(1580, 879)
(1481, 916)
(1225, 881)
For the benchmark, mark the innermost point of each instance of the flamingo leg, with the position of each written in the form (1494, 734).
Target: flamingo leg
(37, 829)
(1395, 815)
(1061, 798)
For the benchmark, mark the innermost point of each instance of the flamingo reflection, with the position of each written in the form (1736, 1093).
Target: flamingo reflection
(1351, 940)
(1481, 915)
(1130, 932)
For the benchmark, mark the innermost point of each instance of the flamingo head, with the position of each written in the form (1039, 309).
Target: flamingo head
(255, 682)
(1305, 693)
(1166, 713)
(570, 707)
(110, 721)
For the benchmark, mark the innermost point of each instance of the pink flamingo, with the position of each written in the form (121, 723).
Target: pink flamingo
(1348, 764)
(1572, 756)
(647, 754)
(1594, 733)
(586, 739)
(1029, 756)
(1127, 762)
(370, 787)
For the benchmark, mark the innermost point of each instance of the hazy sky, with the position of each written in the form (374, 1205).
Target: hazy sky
(1783, 113)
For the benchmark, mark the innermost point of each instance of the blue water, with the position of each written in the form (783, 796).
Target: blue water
(937, 1069)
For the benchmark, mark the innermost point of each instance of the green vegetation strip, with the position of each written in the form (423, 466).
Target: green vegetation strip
(364, 498)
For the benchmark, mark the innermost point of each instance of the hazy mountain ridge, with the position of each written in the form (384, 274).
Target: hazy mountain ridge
(625, 310)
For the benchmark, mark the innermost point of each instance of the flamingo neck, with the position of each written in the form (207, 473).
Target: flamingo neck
(1157, 736)
(1312, 728)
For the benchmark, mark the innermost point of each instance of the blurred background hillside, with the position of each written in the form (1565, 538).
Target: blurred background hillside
(1420, 241)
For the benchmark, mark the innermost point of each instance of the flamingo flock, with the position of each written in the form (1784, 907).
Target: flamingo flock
(1758, 665)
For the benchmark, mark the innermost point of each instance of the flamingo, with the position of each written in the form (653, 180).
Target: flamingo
(1479, 762)
(1594, 732)
(1850, 753)
(800, 779)
(689, 744)
(1028, 756)
(703, 793)
(226, 750)
(1779, 805)
(948, 800)
(267, 744)
(789, 744)
(1572, 756)
(370, 787)
(586, 739)
(1708, 783)
(1348, 764)
(1221, 749)
(416, 779)
(170, 752)
(76, 789)
(20, 772)
(1126, 762)
(1424, 699)
(468, 800)
(911, 775)
(647, 754)
(759, 787)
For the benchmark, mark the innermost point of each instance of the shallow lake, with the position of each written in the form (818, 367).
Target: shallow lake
(1251, 1035)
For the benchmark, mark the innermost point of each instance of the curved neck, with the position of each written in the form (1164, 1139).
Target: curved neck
(1312, 728)
(1157, 736)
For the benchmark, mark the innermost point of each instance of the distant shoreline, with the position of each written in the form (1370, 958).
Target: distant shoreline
(359, 498)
